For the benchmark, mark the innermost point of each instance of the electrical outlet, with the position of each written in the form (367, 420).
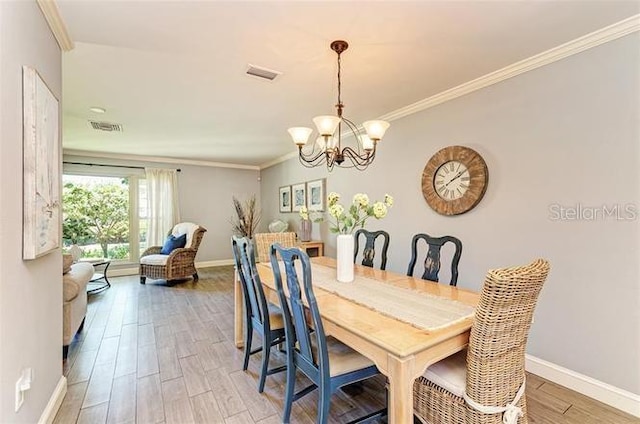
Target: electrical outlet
(22, 385)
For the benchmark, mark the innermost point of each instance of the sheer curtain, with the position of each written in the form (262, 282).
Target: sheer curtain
(162, 204)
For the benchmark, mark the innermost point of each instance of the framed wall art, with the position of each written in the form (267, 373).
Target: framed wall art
(285, 199)
(41, 167)
(315, 195)
(298, 196)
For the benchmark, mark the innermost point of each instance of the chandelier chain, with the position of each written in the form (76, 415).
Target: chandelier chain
(339, 105)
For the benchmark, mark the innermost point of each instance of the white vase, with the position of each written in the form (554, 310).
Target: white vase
(344, 257)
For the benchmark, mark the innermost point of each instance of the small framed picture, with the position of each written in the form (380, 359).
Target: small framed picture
(285, 199)
(315, 195)
(298, 196)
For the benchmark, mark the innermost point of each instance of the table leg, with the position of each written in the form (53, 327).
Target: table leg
(400, 404)
(238, 311)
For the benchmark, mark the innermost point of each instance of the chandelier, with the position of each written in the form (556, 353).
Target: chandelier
(328, 147)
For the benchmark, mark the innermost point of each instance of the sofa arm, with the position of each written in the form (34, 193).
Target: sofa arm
(75, 281)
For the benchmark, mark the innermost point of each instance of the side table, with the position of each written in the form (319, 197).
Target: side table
(313, 247)
(99, 280)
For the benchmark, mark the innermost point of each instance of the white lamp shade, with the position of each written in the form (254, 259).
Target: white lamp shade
(326, 124)
(367, 143)
(326, 143)
(376, 129)
(300, 135)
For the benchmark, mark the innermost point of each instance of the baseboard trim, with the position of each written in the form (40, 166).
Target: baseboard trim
(121, 272)
(204, 264)
(55, 401)
(220, 262)
(598, 390)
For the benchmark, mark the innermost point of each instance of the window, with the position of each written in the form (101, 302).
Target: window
(104, 213)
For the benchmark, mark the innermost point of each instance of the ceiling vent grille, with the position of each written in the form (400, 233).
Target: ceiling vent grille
(106, 126)
(263, 73)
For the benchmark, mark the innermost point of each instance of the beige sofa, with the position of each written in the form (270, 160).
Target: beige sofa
(74, 309)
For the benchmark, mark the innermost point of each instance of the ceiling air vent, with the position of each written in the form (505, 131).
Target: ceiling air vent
(264, 73)
(106, 126)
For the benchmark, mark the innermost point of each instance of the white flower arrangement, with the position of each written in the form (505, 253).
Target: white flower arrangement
(347, 221)
(304, 213)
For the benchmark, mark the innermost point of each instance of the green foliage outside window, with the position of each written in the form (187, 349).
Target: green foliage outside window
(98, 214)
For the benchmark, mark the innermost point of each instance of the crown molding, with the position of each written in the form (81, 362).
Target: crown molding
(158, 159)
(594, 39)
(56, 23)
(279, 160)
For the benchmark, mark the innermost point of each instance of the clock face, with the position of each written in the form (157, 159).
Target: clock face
(452, 180)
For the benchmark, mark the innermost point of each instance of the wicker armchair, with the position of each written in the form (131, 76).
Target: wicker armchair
(491, 372)
(179, 263)
(265, 240)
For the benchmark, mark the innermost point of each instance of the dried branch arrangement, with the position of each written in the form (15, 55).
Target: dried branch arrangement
(247, 217)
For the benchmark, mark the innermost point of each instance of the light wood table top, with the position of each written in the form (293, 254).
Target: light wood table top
(400, 351)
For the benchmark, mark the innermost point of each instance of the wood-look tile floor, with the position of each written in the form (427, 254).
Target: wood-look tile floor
(156, 353)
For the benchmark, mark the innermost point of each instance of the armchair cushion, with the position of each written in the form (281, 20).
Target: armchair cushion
(187, 228)
(173, 242)
(154, 260)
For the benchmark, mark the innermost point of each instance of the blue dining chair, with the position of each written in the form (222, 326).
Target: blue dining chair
(260, 316)
(368, 252)
(432, 260)
(328, 363)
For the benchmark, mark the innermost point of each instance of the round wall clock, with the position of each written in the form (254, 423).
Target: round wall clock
(454, 180)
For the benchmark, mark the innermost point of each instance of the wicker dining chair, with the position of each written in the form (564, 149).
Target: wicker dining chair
(179, 263)
(490, 373)
(432, 260)
(265, 240)
(368, 251)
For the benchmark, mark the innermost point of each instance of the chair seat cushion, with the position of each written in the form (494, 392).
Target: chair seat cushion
(450, 373)
(342, 359)
(173, 242)
(154, 260)
(75, 281)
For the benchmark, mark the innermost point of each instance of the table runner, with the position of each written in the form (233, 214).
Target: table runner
(422, 310)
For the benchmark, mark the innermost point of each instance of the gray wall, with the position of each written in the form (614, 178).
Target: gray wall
(567, 134)
(205, 198)
(30, 291)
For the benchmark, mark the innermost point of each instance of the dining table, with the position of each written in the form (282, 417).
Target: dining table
(401, 350)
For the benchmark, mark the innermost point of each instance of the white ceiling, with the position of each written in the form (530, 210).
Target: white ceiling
(172, 73)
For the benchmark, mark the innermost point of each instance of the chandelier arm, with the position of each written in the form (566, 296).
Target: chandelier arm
(357, 134)
(307, 164)
(311, 157)
(357, 158)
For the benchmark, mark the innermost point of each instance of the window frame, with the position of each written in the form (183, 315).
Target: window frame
(134, 175)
